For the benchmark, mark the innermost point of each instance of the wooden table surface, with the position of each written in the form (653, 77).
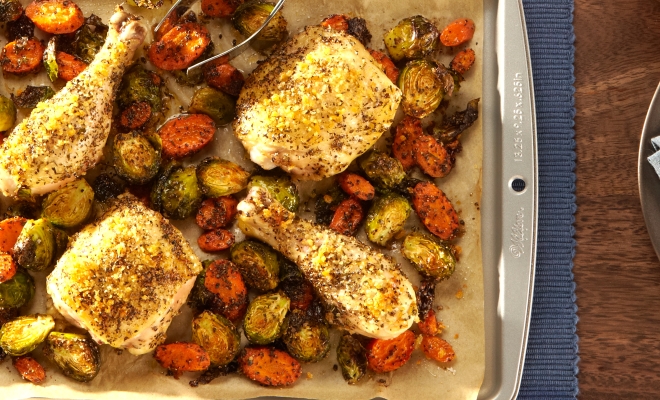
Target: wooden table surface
(617, 69)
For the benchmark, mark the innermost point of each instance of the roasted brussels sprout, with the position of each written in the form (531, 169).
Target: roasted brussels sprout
(35, 246)
(422, 86)
(219, 337)
(32, 95)
(306, 339)
(352, 358)
(430, 257)
(219, 106)
(7, 314)
(89, 39)
(413, 37)
(107, 186)
(24, 334)
(218, 177)
(258, 264)
(7, 114)
(265, 317)
(250, 15)
(281, 188)
(22, 27)
(146, 3)
(455, 124)
(10, 10)
(50, 60)
(326, 205)
(383, 170)
(18, 291)
(77, 355)
(70, 205)
(162, 179)
(24, 208)
(61, 243)
(177, 194)
(386, 218)
(138, 85)
(136, 156)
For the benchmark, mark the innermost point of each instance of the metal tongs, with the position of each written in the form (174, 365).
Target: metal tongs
(232, 52)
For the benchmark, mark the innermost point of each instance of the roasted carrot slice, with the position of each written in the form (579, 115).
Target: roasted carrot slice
(10, 228)
(68, 66)
(429, 325)
(224, 279)
(7, 267)
(269, 366)
(223, 76)
(179, 47)
(463, 61)
(217, 240)
(355, 185)
(30, 369)
(457, 32)
(186, 135)
(338, 22)
(347, 217)
(55, 16)
(22, 56)
(390, 69)
(389, 355)
(435, 211)
(432, 157)
(220, 8)
(179, 357)
(404, 144)
(135, 115)
(437, 349)
(216, 213)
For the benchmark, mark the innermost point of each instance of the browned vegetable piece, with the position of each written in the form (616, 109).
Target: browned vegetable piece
(463, 61)
(10, 10)
(223, 76)
(216, 213)
(30, 369)
(355, 185)
(224, 279)
(185, 135)
(425, 295)
(391, 354)
(300, 293)
(217, 240)
(338, 22)
(22, 56)
(437, 349)
(10, 229)
(135, 115)
(269, 366)
(68, 66)
(405, 137)
(347, 217)
(390, 69)
(357, 27)
(179, 357)
(429, 325)
(220, 8)
(457, 32)
(22, 27)
(7, 267)
(179, 47)
(432, 157)
(436, 211)
(55, 16)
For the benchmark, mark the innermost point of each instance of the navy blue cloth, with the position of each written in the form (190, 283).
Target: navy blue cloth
(552, 350)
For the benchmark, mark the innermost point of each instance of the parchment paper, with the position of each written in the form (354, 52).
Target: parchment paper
(459, 300)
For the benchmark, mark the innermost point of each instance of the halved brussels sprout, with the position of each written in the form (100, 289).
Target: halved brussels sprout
(146, 3)
(413, 37)
(18, 291)
(77, 355)
(423, 87)
(218, 105)
(10, 10)
(35, 246)
(386, 218)
(306, 339)
(178, 194)
(136, 157)
(24, 334)
(138, 85)
(430, 257)
(50, 60)
(219, 337)
(32, 95)
(265, 317)
(258, 263)
(352, 358)
(383, 170)
(89, 39)
(250, 15)
(218, 177)
(7, 114)
(107, 186)
(61, 239)
(70, 205)
(281, 188)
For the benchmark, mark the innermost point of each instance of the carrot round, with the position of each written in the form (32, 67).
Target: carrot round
(337, 22)
(457, 32)
(432, 157)
(355, 185)
(404, 144)
(7, 267)
(10, 228)
(437, 349)
(347, 217)
(436, 211)
(55, 16)
(179, 357)
(22, 56)
(269, 366)
(217, 240)
(224, 279)
(300, 293)
(223, 76)
(463, 61)
(429, 325)
(135, 115)
(216, 213)
(390, 69)
(186, 135)
(68, 66)
(389, 355)
(30, 369)
(220, 8)
(179, 47)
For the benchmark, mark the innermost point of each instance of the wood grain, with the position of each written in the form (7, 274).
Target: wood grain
(617, 69)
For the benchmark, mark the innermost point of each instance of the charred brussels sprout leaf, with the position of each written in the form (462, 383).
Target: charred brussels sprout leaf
(357, 27)
(326, 204)
(89, 39)
(249, 17)
(7, 114)
(10, 10)
(413, 37)
(136, 157)
(35, 246)
(76, 355)
(107, 186)
(386, 218)
(281, 188)
(258, 263)
(50, 60)
(218, 177)
(18, 291)
(200, 297)
(430, 257)
(24, 334)
(453, 126)
(217, 336)
(265, 317)
(61, 239)
(22, 27)
(70, 205)
(146, 3)
(423, 85)
(156, 195)
(33, 95)
(218, 105)
(180, 196)
(385, 171)
(352, 359)
(306, 339)
(138, 85)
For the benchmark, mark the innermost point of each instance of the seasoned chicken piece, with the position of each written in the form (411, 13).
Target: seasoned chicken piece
(315, 105)
(64, 136)
(368, 293)
(124, 277)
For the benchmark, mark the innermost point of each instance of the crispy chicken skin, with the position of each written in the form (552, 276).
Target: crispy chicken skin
(366, 291)
(124, 277)
(315, 105)
(64, 136)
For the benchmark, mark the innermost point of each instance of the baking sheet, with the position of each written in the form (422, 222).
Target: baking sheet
(460, 298)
